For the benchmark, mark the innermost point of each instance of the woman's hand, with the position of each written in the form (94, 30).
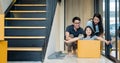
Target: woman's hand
(108, 42)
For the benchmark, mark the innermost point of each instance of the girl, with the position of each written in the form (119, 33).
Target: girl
(89, 35)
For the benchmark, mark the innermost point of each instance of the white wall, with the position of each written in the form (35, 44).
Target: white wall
(51, 48)
(4, 4)
(56, 40)
(61, 24)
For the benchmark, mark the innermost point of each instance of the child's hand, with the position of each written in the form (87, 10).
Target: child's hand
(66, 41)
(68, 38)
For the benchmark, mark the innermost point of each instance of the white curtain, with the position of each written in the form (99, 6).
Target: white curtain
(81, 8)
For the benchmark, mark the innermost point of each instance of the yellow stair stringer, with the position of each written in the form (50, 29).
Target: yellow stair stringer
(3, 51)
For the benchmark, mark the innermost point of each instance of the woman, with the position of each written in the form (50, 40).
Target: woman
(96, 24)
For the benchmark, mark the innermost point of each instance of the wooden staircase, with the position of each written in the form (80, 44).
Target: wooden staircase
(25, 30)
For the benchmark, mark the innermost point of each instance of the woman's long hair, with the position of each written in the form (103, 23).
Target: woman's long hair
(85, 35)
(100, 24)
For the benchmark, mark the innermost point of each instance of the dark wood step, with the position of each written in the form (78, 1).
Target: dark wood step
(13, 31)
(26, 42)
(29, 8)
(25, 56)
(31, 1)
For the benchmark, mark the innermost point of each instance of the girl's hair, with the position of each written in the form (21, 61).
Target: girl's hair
(92, 34)
(100, 24)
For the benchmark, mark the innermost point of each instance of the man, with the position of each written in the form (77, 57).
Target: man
(73, 30)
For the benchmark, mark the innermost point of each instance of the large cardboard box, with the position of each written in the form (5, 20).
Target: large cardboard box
(88, 49)
(3, 51)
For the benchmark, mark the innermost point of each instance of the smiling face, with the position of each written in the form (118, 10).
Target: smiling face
(76, 24)
(88, 31)
(96, 20)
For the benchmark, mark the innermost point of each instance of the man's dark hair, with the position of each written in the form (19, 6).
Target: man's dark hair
(76, 18)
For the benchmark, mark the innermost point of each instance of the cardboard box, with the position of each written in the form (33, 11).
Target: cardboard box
(88, 49)
(3, 51)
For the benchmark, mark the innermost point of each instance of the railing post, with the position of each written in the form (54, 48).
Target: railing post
(51, 6)
(107, 28)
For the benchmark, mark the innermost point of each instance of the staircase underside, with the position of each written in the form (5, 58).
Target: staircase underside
(25, 30)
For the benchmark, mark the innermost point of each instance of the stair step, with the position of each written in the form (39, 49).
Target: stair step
(25, 18)
(29, 4)
(25, 37)
(24, 49)
(24, 27)
(26, 11)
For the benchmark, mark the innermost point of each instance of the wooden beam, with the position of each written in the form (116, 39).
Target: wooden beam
(3, 51)
(1, 26)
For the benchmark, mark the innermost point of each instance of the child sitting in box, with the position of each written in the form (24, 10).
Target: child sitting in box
(89, 35)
